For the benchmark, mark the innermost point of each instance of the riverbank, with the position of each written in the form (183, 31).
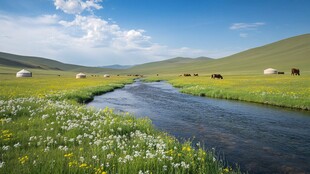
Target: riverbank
(278, 90)
(45, 129)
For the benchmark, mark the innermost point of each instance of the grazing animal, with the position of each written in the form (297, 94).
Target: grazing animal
(295, 71)
(180, 75)
(185, 75)
(195, 74)
(216, 76)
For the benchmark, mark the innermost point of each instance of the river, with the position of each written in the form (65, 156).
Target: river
(260, 138)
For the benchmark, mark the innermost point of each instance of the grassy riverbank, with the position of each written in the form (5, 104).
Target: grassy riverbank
(279, 90)
(44, 129)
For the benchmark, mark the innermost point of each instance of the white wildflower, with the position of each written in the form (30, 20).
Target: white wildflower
(45, 116)
(5, 148)
(2, 164)
(17, 145)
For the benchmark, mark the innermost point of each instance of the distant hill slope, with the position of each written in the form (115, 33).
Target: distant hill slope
(174, 65)
(281, 55)
(17, 61)
(117, 66)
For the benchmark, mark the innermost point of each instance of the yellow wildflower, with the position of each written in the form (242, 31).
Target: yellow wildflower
(69, 155)
(225, 170)
(83, 165)
(73, 163)
(23, 160)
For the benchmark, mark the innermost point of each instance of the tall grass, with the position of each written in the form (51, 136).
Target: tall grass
(280, 90)
(45, 130)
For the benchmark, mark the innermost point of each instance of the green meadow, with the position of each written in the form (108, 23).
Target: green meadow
(46, 129)
(278, 90)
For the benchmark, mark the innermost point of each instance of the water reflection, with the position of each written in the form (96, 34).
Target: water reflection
(260, 138)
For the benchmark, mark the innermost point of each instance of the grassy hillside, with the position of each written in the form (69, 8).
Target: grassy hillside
(17, 61)
(282, 55)
(175, 65)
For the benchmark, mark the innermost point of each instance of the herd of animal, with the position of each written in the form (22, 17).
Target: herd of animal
(294, 71)
(213, 76)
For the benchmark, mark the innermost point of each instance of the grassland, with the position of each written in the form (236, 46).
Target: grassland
(279, 90)
(44, 129)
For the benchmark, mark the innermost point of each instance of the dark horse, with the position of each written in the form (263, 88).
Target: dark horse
(216, 76)
(295, 71)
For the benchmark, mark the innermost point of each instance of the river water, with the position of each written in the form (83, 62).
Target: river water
(260, 138)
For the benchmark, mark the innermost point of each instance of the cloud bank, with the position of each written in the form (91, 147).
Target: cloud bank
(246, 26)
(77, 6)
(86, 39)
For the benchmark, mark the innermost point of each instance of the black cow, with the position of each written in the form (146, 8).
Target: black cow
(216, 76)
(295, 71)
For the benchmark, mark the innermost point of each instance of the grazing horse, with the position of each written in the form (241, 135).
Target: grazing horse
(195, 74)
(186, 75)
(295, 71)
(216, 76)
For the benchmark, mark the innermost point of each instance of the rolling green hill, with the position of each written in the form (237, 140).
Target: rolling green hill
(173, 65)
(282, 55)
(17, 61)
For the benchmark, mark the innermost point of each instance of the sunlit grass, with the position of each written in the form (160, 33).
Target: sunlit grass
(42, 86)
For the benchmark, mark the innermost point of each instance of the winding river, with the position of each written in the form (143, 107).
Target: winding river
(260, 138)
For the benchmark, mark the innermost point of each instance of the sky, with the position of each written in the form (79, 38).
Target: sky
(129, 32)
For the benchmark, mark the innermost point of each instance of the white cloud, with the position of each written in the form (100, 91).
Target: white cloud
(243, 35)
(246, 26)
(77, 6)
(86, 40)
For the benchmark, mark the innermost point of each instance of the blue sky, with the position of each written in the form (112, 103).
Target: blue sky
(104, 32)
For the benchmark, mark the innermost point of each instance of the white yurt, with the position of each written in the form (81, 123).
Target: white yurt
(270, 71)
(80, 76)
(106, 75)
(24, 73)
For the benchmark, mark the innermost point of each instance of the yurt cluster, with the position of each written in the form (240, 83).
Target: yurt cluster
(83, 76)
(26, 73)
